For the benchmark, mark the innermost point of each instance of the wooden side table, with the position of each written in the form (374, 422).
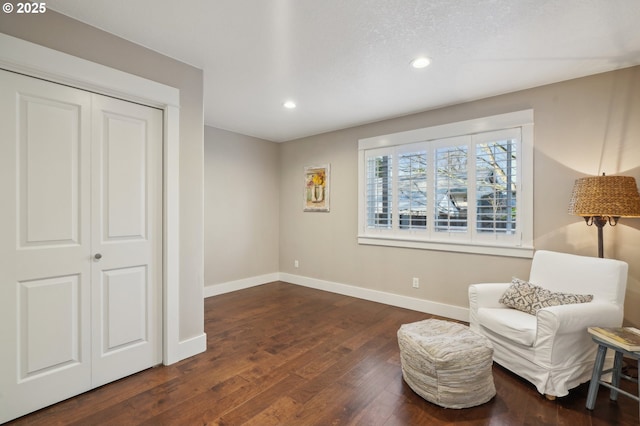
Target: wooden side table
(596, 377)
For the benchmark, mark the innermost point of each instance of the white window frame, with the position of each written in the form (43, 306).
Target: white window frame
(520, 245)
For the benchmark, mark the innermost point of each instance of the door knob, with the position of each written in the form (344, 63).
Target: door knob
(97, 256)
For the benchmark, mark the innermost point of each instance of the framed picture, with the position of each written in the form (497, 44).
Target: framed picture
(316, 188)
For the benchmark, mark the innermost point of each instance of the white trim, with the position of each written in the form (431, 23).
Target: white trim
(38, 61)
(467, 127)
(229, 286)
(461, 247)
(420, 305)
(526, 166)
(172, 351)
(189, 347)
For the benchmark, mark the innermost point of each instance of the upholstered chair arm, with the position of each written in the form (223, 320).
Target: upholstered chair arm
(562, 337)
(486, 295)
(577, 317)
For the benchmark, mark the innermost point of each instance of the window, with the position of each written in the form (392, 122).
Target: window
(454, 187)
(410, 186)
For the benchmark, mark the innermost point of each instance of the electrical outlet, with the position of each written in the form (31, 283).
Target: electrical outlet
(416, 282)
(296, 264)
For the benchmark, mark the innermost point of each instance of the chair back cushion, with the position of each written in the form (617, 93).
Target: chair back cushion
(605, 279)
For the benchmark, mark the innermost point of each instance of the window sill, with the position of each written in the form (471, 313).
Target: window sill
(459, 247)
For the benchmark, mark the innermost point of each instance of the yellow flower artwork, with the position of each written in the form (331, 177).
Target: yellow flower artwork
(316, 188)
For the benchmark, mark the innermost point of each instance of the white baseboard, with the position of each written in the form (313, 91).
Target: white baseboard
(187, 348)
(228, 287)
(420, 305)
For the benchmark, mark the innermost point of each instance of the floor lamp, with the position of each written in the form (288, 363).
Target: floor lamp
(604, 199)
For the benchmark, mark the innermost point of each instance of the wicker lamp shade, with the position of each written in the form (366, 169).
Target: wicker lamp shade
(605, 196)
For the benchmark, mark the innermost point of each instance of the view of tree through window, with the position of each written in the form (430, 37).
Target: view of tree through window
(412, 190)
(496, 190)
(451, 188)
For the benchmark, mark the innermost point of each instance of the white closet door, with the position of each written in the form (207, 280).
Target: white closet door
(127, 225)
(80, 174)
(45, 242)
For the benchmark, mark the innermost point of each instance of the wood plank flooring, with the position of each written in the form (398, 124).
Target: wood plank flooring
(281, 354)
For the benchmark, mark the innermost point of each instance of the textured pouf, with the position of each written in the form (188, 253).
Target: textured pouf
(446, 363)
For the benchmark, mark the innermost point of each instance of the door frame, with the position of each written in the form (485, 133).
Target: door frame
(37, 61)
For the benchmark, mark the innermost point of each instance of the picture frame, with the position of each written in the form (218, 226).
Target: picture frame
(317, 188)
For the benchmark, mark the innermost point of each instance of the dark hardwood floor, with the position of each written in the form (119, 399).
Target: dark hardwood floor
(281, 354)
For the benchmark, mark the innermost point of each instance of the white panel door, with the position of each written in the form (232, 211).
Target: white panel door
(80, 176)
(127, 224)
(45, 244)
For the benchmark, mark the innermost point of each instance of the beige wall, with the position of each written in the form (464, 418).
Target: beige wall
(242, 199)
(582, 127)
(61, 33)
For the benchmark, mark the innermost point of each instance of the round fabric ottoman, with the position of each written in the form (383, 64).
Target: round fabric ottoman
(446, 363)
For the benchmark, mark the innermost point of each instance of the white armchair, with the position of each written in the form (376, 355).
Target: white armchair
(552, 349)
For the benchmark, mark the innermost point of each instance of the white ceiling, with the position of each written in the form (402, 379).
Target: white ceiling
(346, 62)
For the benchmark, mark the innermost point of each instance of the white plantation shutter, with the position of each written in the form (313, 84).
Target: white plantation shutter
(462, 189)
(497, 178)
(379, 189)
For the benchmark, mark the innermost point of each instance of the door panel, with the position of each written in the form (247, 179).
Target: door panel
(124, 321)
(44, 244)
(51, 342)
(125, 176)
(80, 175)
(126, 221)
(49, 154)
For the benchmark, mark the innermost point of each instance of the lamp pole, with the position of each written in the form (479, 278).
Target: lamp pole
(600, 222)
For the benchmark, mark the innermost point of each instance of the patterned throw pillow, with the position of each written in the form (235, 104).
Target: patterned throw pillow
(530, 298)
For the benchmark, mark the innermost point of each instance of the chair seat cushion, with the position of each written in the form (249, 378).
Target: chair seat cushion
(512, 324)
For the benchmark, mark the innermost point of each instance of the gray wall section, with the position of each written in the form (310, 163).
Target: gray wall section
(242, 198)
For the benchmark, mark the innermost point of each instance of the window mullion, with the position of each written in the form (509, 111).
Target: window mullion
(395, 218)
(431, 191)
(472, 208)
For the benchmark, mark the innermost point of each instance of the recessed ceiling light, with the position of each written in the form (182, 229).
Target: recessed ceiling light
(421, 62)
(289, 105)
